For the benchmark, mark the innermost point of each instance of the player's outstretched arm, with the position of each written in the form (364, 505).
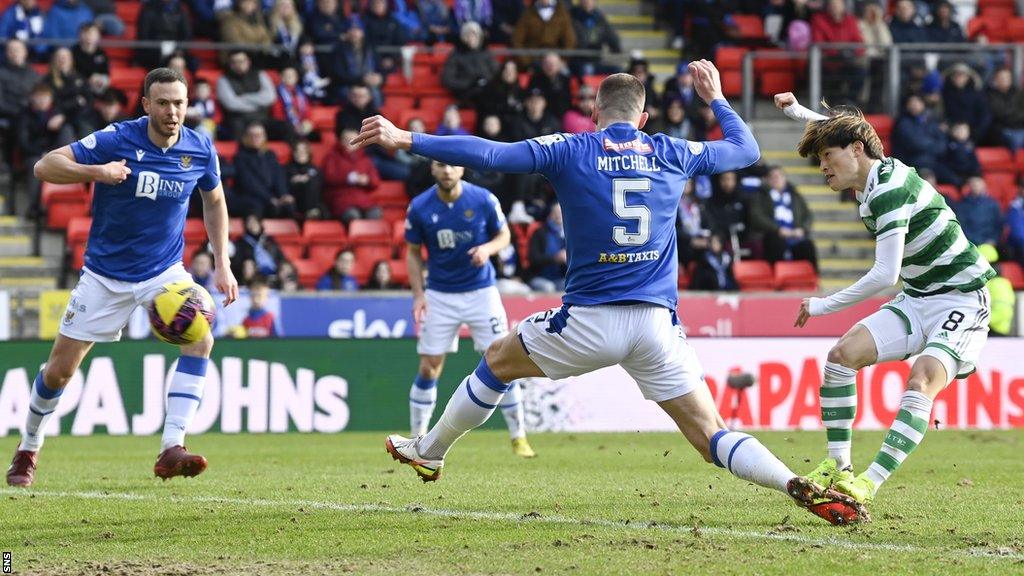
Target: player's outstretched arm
(786, 101)
(60, 167)
(215, 216)
(737, 149)
(468, 151)
(883, 274)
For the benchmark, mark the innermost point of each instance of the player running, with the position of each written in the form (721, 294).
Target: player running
(941, 314)
(462, 226)
(144, 171)
(619, 189)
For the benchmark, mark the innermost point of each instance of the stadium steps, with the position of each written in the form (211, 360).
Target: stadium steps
(624, 22)
(638, 31)
(15, 245)
(844, 267)
(626, 8)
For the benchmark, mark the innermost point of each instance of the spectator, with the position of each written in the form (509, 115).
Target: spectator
(436, 20)
(963, 100)
(469, 66)
(259, 322)
(324, 26)
(354, 63)
(680, 87)
(202, 270)
(340, 276)
(106, 16)
(780, 214)
(943, 28)
(845, 68)
(380, 278)
(244, 24)
(537, 120)
(580, 118)
(547, 254)
(107, 108)
(69, 89)
(503, 96)
(304, 181)
(904, 27)
(245, 93)
(639, 68)
(876, 35)
(287, 279)
(1006, 102)
(65, 19)
(292, 107)
(528, 194)
(451, 123)
(979, 214)
(676, 124)
(17, 80)
(506, 15)
(314, 84)
(358, 106)
(349, 180)
(479, 11)
(382, 29)
(24, 21)
(162, 20)
(714, 268)
(726, 209)
(260, 185)
(43, 128)
(545, 24)
(418, 167)
(255, 252)
(960, 161)
(593, 32)
(710, 24)
(1015, 224)
(88, 57)
(489, 127)
(203, 113)
(553, 80)
(917, 139)
(691, 226)
(285, 26)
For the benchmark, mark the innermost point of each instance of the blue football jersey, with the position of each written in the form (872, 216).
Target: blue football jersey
(619, 189)
(138, 225)
(449, 230)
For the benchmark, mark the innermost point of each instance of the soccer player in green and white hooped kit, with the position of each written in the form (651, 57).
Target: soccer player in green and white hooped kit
(942, 313)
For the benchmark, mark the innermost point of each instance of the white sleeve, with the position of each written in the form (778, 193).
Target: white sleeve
(884, 274)
(798, 112)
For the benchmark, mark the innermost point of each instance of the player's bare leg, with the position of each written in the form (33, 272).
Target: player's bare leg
(471, 405)
(744, 456)
(183, 397)
(65, 358)
(838, 394)
(423, 393)
(927, 378)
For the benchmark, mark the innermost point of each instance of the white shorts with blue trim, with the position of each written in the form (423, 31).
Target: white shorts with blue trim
(646, 340)
(100, 307)
(481, 310)
(950, 327)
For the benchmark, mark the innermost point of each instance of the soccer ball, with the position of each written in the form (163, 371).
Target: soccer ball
(181, 313)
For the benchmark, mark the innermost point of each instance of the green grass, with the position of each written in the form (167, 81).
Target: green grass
(590, 504)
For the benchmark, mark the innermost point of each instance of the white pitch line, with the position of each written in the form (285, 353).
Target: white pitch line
(833, 541)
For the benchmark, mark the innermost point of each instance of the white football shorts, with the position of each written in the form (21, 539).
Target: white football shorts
(481, 310)
(646, 340)
(100, 307)
(951, 327)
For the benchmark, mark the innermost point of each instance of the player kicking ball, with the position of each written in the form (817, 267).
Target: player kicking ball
(941, 314)
(462, 226)
(619, 189)
(144, 171)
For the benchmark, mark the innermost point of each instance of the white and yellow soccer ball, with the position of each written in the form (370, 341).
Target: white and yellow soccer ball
(181, 313)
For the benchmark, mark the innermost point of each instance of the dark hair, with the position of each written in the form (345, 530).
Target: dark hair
(621, 96)
(42, 88)
(163, 76)
(258, 282)
(840, 130)
(86, 26)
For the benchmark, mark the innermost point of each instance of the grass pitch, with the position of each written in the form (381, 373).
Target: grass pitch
(590, 504)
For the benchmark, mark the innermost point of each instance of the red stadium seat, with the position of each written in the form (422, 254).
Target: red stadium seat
(1012, 272)
(732, 82)
(995, 159)
(1001, 186)
(63, 208)
(309, 272)
(951, 192)
(996, 30)
(391, 193)
(369, 232)
(211, 75)
(78, 230)
(772, 82)
(226, 149)
(281, 227)
(394, 214)
(322, 117)
(282, 150)
(371, 254)
(751, 27)
(236, 228)
(594, 80)
(1015, 30)
(195, 230)
(324, 239)
(400, 273)
(128, 12)
(729, 58)
(436, 104)
(882, 123)
(393, 105)
(398, 237)
(754, 275)
(798, 275)
(430, 118)
(127, 78)
(50, 191)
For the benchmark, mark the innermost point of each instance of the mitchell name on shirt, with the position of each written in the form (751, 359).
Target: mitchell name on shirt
(639, 162)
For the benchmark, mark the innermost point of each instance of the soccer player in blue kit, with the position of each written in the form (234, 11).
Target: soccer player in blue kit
(462, 226)
(144, 172)
(619, 190)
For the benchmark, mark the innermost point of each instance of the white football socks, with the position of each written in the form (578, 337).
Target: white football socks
(422, 399)
(512, 409)
(42, 403)
(471, 405)
(183, 399)
(748, 459)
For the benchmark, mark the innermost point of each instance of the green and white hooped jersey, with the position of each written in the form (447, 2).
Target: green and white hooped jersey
(937, 256)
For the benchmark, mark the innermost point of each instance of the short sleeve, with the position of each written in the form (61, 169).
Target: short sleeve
(413, 230)
(99, 147)
(211, 176)
(892, 209)
(550, 153)
(495, 217)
